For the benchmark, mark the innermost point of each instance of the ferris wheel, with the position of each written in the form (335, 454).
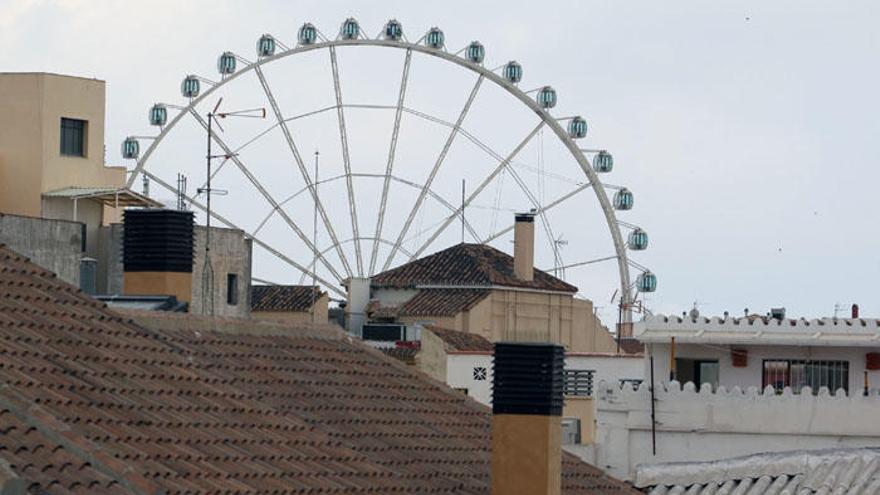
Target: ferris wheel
(406, 196)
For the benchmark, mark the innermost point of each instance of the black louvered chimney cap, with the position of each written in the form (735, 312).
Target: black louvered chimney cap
(158, 240)
(527, 379)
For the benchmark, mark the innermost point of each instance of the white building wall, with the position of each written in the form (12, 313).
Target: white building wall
(609, 368)
(751, 375)
(704, 426)
(460, 374)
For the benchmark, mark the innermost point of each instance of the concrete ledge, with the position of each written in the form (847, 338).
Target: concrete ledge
(158, 320)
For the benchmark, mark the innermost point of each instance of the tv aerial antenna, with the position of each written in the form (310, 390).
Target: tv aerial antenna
(208, 191)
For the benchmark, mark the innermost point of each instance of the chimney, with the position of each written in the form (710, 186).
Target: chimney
(524, 246)
(855, 311)
(527, 419)
(356, 305)
(158, 253)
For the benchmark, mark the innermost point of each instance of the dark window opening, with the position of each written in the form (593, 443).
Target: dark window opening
(697, 371)
(73, 137)
(797, 374)
(383, 332)
(231, 289)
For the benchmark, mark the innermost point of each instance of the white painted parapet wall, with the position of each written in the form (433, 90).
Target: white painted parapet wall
(703, 425)
(760, 330)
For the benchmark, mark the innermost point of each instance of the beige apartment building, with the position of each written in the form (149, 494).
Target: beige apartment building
(478, 289)
(52, 162)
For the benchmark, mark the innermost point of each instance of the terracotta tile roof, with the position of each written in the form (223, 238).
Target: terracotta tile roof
(462, 341)
(429, 302)
(91, 402)
(442, 302)
(283, 297)
(465, 264)
(404, 354)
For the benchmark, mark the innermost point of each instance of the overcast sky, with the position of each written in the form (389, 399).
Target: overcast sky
(748, 130)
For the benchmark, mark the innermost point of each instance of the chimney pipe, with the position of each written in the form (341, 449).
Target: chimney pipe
(527, 419)
(524, 246)
(855, 311)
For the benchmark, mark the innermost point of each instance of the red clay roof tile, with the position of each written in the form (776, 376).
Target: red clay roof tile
(125, 408)
(477, 265)
(284, 297)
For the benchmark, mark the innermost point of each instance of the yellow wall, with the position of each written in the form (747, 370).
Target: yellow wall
(521, 316)
(298, 317)
(584, 409)
(526, 454)
(431, 359)
(31, 108)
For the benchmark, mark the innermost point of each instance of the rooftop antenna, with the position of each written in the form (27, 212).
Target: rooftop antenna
(557, 259)
(181, 192)
(208, 268)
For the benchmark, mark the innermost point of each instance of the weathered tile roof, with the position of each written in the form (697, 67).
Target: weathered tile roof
(442, 302)
(283, 297)
(430, 302)
(91, 402)
(478, 265)
(461, 341)
(853, 471)
(403, 354)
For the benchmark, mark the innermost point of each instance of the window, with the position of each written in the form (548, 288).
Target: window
(231, 289)
(797, 374)
(571, 431)
(480, 373)
(697, 371)
(73, 137)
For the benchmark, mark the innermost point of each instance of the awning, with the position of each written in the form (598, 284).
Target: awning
(109, 196)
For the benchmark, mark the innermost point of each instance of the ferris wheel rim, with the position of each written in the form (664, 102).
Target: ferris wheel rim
(484, 73)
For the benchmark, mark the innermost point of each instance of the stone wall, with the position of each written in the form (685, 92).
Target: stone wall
(230, 254)
(56, 245)
(703, 425)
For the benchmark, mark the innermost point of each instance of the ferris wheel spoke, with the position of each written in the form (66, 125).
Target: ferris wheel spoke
(346, 161)
(583, 263)
(488, 180)
(389, 167)
(541, 210)
(440, 159)
(302, 168)
(193, 201)
(265, 193)
(403, 181)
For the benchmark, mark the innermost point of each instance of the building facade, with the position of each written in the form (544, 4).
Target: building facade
(52, 159)
(478, 289)
(761, 351)
(292, 304)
